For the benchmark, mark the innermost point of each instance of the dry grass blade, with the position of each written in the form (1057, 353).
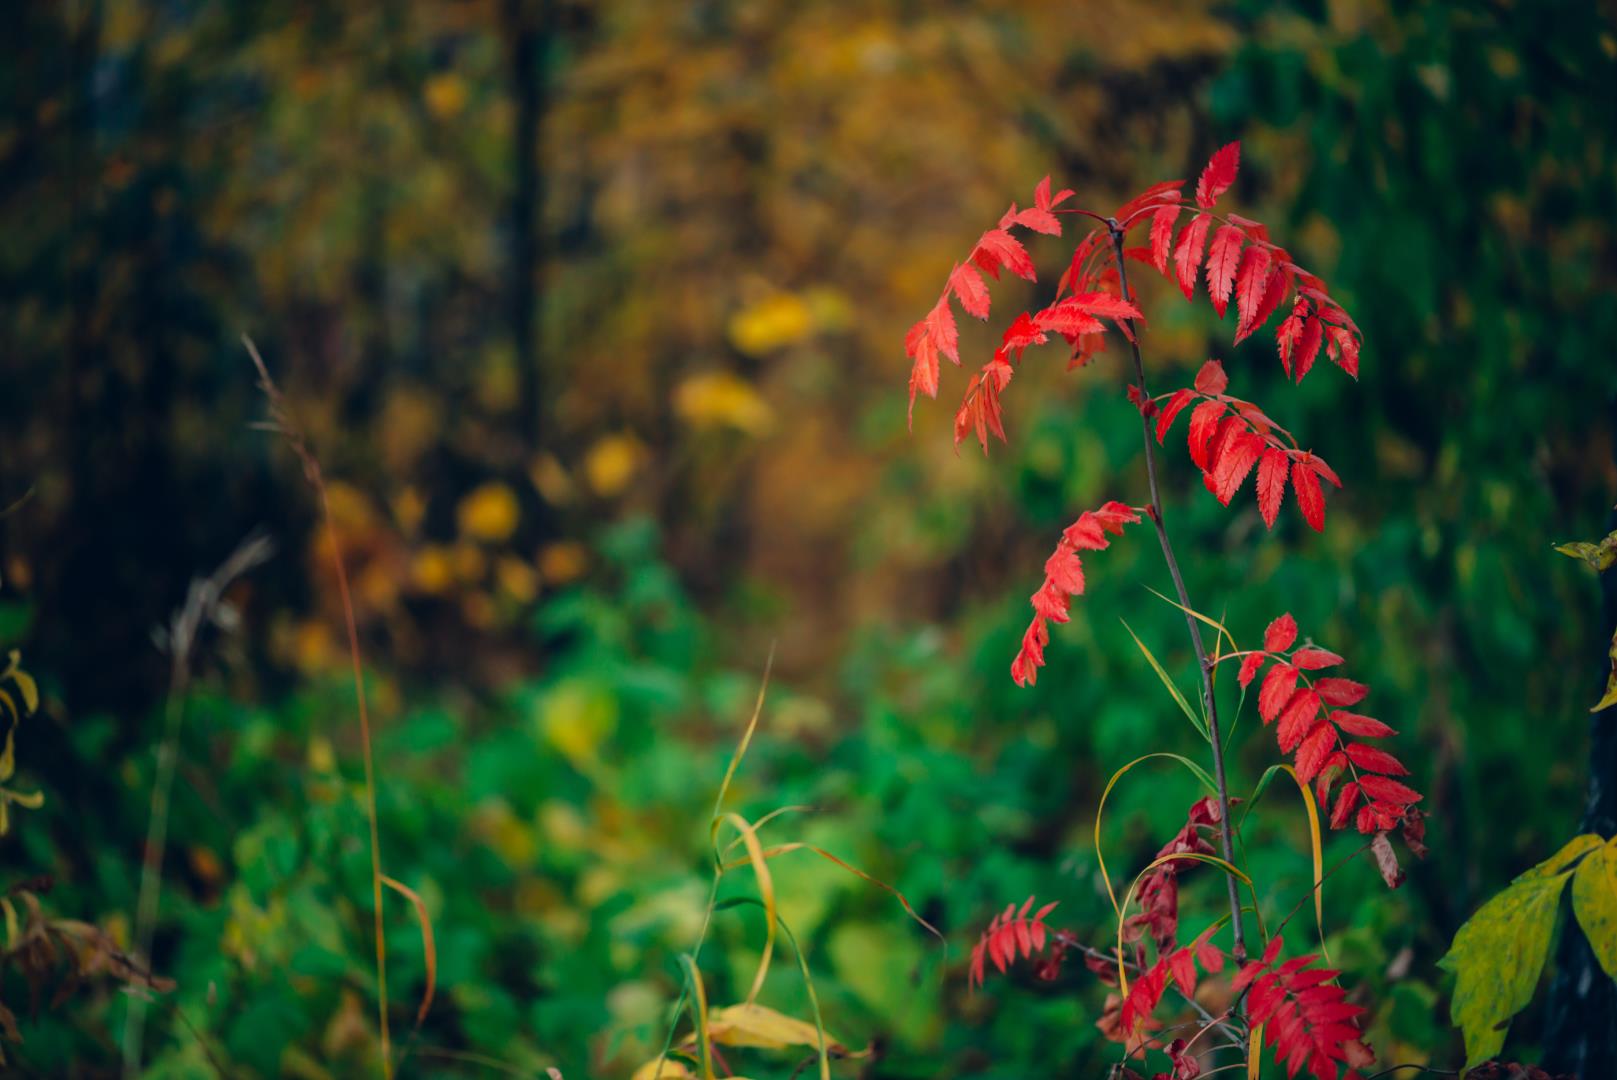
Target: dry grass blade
(204, 606)
(429, 947)
(282, 424)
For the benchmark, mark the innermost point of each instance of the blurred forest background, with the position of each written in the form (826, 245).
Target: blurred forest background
(594, 315)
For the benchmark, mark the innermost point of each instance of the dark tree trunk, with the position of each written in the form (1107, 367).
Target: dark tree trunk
(526, 22)
(1581, 1025)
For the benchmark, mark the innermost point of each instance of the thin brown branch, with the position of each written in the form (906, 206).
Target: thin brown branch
(282, 423)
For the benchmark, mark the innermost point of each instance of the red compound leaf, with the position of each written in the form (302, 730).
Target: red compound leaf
(1313, 723)
(1012, 933)
(1064, 578)
(1305, 1014)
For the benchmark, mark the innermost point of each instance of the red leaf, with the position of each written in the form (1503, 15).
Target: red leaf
(1310, 500)
(1251, 281)
(1308, 346)
(1346, 800)
(1341, 693)
(1280, 634)
(1162, 223)
(1319, 466)
(1187, 256)
(1223, 256)
(1037, 218)
(1346, 353)
(997, 248)
(1171, 410)
(1042, 198)
(1203, 425)
(1368, 757)
(1249, 668)
(1313, 659)
(1313, 751)
(1382, 789)
(1297, 720)
(1365, 727)
(1275, 287)
(1235, 463)
(923, 349)
(970, 289)
(1211, 380)
(1219, 174)
(1271, 484)
(1290, 330)
(1277, 689)
(1166, 191)
(1067, 319)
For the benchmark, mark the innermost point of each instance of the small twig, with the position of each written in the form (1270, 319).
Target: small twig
(281, 422)
(204, 606)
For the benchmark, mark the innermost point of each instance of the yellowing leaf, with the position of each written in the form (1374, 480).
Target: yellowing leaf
(1610, 697)
(672, 1069)
(611, 463)
(1594, 901)
(759, 1025)
(1569, 853)
(774, 322)
(1497, 957)
(1601, 556)
(717, 399)
(489, 512)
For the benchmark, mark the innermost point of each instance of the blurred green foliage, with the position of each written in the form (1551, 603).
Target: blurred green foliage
(743, 206)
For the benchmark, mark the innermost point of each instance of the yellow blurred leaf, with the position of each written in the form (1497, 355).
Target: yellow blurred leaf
(445, 95)
(516, 579)
(721, 399)
(772, 323)
(562, 561)
(550, 479)
(611, 463)
(489, 512)
(672, 1069)
(432, 570)
(759, 1025)
(576, 717)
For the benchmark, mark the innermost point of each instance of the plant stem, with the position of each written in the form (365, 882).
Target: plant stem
(1226, 838)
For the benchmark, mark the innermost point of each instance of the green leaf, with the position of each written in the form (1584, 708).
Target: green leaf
(1184, 705)
(1594, 901)
(1498, 955)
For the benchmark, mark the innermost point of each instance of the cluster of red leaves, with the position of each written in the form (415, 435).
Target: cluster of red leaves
(1312, 721)
(1145, 992)
(1064, 578)
(1306, 1016)
(1014, 932)
(1159, 890)
(1243, 262)
(996, 249)
(1229, 436)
